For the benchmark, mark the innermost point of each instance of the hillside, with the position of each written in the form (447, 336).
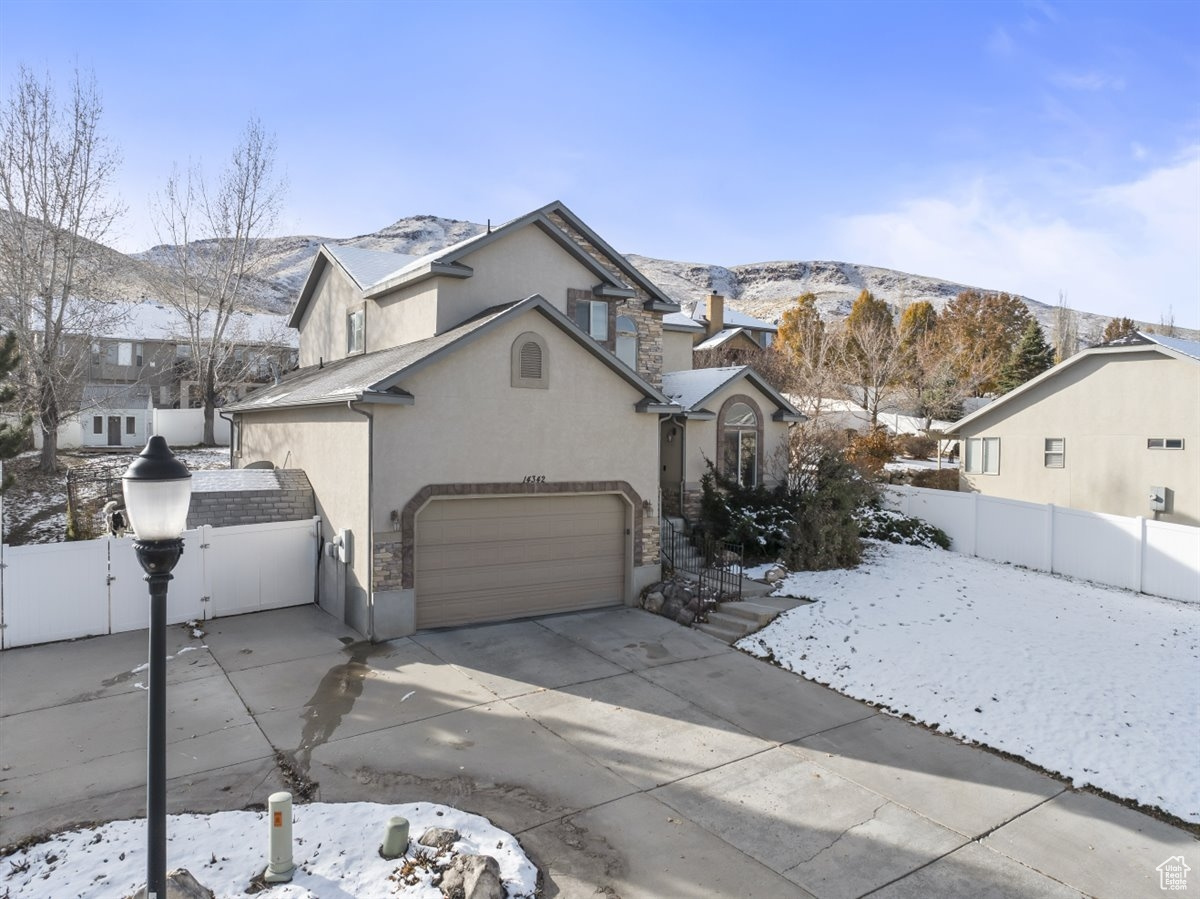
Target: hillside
(762, 289)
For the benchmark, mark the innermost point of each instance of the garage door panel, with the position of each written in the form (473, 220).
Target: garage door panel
(488, 559)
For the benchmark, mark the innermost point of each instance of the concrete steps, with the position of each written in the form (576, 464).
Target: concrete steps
(733, 620)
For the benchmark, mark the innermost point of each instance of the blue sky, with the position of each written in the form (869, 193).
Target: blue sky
(1032, 147)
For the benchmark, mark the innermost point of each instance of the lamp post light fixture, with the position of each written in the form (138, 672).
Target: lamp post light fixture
(158, 490)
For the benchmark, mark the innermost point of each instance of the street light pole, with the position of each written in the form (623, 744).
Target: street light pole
(157, 489)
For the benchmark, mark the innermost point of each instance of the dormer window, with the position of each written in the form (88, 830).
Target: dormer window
(356, 331)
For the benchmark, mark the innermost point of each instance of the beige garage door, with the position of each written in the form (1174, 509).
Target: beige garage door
(512, 557)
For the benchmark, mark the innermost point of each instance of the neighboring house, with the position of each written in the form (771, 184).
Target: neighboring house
(730, 417)
(115, 414)
(1114, 429)
(482, 426)
(730, 329)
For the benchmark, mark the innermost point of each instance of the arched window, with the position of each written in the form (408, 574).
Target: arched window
(530, 360)
(741, 425)
(627, 341)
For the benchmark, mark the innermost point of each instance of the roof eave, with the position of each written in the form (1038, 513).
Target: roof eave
(424, 273)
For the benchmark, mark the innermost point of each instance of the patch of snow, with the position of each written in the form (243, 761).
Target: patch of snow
(335, 848)
(1095, 683)
(758, 572)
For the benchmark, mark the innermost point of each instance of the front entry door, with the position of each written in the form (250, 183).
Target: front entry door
(114, 430)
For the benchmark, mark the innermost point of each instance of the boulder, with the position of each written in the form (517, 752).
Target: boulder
(672, 607)
(686, 618)
(653, 603)
(180, 885)
(439, 838)
(473, 877)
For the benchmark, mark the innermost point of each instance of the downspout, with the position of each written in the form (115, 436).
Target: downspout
(229, 418)
(370, 517)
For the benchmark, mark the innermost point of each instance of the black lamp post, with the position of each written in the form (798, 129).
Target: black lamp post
(158, 489)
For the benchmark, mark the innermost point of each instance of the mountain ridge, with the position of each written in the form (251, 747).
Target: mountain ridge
(761, 289)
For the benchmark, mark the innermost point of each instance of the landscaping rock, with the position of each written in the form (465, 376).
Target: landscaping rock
(653, 603)
(473, 877)
(686, 618)
(439, 837)
(180, 885)
(672, 607)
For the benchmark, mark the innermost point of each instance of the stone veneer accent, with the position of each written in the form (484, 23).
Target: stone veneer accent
(392, 566)
(249, 496)
(649, 324)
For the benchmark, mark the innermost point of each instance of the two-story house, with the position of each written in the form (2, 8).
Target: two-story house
(481, 426)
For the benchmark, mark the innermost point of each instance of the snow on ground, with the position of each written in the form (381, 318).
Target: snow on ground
(919, 465)
(335, 848)
(1098, 684)
(35, 507)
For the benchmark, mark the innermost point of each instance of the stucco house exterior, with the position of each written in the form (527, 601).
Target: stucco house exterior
(481, 426)
(1115, 429)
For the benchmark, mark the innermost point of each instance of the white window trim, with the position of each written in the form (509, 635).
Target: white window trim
(1055, 458)
(982, 456)
(1162, 443)
(356, 331)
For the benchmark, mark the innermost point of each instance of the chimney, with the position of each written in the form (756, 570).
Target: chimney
(716, 313)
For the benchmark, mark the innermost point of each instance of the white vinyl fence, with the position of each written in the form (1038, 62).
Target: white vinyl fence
(1134, 553)
(60, 591)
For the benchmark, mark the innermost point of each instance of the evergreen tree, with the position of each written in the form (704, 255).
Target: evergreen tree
(1030, 358)
(14, 433)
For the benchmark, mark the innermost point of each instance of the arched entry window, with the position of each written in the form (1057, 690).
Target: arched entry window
(739, 442)
(627, 341)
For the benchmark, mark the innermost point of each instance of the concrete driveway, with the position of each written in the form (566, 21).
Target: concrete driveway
(632, 757)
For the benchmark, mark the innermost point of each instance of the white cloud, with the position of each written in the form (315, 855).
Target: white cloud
(1122, 249)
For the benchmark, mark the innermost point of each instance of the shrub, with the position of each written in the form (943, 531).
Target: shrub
(918, 446)
(871, 450)
(882, 524)
(938, 479)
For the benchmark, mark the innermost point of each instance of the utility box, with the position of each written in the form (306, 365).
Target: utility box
(1160, 499)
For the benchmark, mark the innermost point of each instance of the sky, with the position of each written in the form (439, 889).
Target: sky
(1035, 147)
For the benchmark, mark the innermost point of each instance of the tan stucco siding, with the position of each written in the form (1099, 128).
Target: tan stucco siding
(468, 425)
(677, 350)
(702, 437)
(403, 316)
(330, 444)
(323, 325)
(515, 266)
(1104, 407)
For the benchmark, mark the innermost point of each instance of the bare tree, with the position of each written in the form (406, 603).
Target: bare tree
(807, 349)
(1066, 330)
(870, 358)
(55, 171)
(212, 237)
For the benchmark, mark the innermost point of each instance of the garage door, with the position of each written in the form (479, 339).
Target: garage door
(511, 557)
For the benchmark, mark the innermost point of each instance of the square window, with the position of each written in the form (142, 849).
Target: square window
(130, 424)
(592, 318)
(1055, 450)
(97, 424)
(983, 455)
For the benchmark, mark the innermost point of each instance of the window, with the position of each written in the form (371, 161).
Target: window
(130, 424)
(1056, 455)
(1164, 443)
(95, 354)
(530, 358)
(983, 455)
(137, 354)
(97, 424)
(355, 338)
(627, 341)
(592, 317)
(739, 442)
(124, 353)
(767, 339)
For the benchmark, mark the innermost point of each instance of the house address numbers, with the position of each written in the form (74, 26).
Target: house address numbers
(534, 479)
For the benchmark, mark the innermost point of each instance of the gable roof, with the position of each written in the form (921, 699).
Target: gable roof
(692, 389)
(367, 267)
(1172, 347)
(722, 337)
(375, 377)
(114, 396)
(446, 262)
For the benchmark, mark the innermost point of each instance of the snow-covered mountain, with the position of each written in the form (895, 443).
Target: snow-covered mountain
(762, 289)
